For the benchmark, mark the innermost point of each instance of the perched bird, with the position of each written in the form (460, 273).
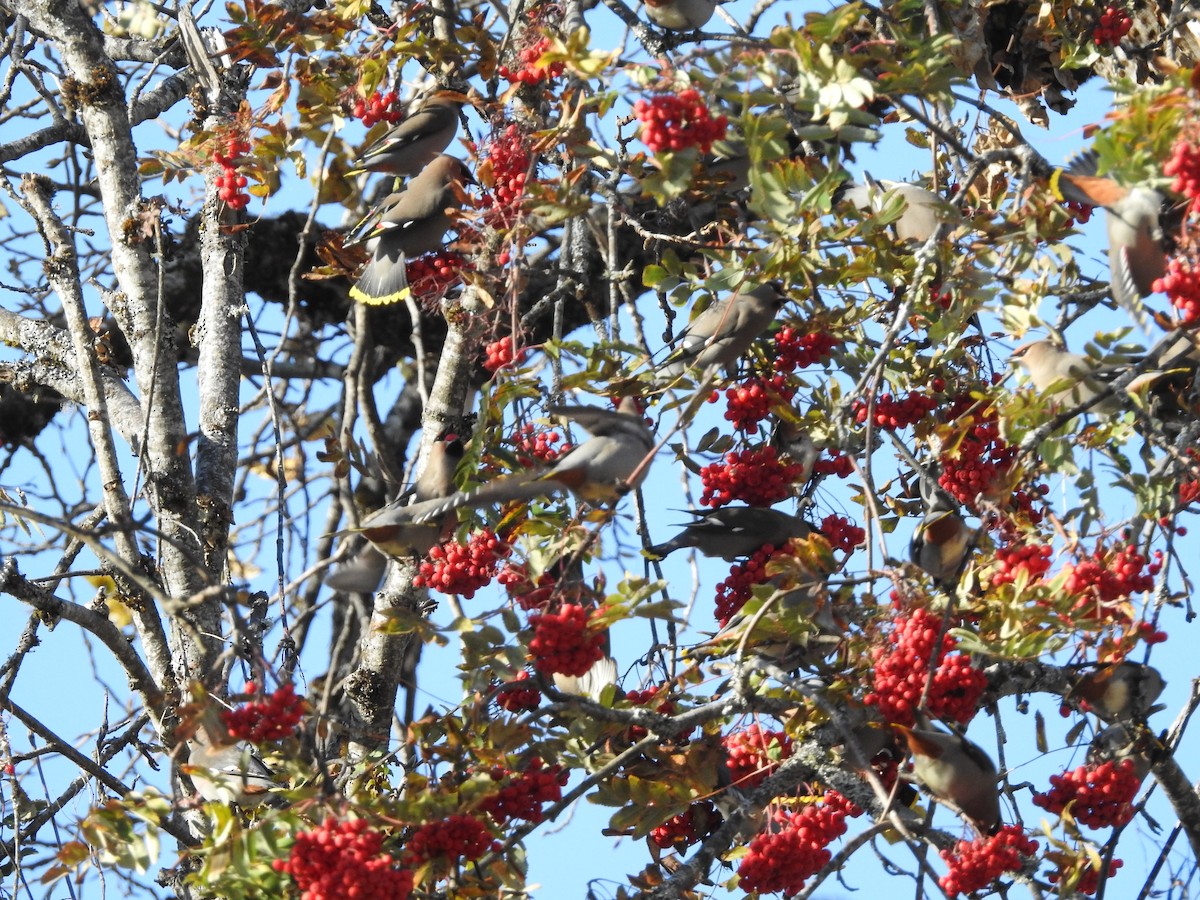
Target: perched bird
(957, 772)
(1068, 377)
(923, 210)
(227, 773)
(721, 334)
(364, 572)
(410, 222)
(416, 141)
(595, 471)
(1117, 743)
(733, 532)
(941, 543)
(680, 15)
(1135, 236)
(1120, 692)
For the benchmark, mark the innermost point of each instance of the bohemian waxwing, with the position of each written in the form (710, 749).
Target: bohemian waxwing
(1117, 743)
(409, 223)
(941, 543)
(595, 471)
(590, 684)
(680, 15)
(227, 773)
(1076, 380)
(734, 532)
(1135, 236)
(721, 334)
(1120, 692)
(416, 141)
(923, 211)
(364, 572)
(957, 772)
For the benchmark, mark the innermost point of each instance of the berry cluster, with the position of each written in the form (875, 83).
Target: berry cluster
(454, 569)
(380, 108)
(230, 182)
(1181, 284)
(458, 837)
(982, 464)
(530, 72)
(344, 859)
(1114, 24)
(792, 847)
(1089, 878)
(537, 446)
(750, 402)
(734, 591)
(689, 827)
(271, 719)
(902, 668)
(675, 122)
(973, 865)
(1078, 213)
(524, 796)
(753, 754)
(842, 533)
(1103, 580)
(1012, 559)
(506, 172)
(501, 353)
(891, 413)
(1184, 167)
(755, 476)
(795, 350)
(562, 642)
(431, 275)
(656, 696)
(838, 463)
(1103, 795)
(515, 696)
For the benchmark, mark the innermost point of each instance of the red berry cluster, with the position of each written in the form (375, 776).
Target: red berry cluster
(1181, 284)
(380, 108)
(344, 859)
(792, 847)
(522, 590)
(514, 696)
(691, 826)
(537, 446)
(1184, 167)
(271, 719)
(503, 352)
(524, 796)
(1114, 24)
(734, 591)
(1190, 490)
(838, 464)
(530, 72)
(431, 275)
(902, 668)
(755, 475)
(983, 463)
(563, 642)
(458, 837)
(842, 533)
(795, 350)
(976, 864)
(891, 412)
(506, 172)
(230, 182)
(750, 402)
(1012, 559)
(675, 122)
(1103, 795)
(454, 569)
(1089, 880)
(1077, 213)
(1105, 578)
(665, 705)
(753, 754)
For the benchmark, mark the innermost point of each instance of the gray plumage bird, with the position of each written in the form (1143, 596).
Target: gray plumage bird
(957, 772)
(1068, 377)
(734, 532)
(1120, 692)
(723, 332)
(941, 543)
(922, 213)
(416, 141)
(364, 572)
(229, 773)
(408, 223)
(680, 15)
(1117, 743)
(595, 471)
(1136, 254)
